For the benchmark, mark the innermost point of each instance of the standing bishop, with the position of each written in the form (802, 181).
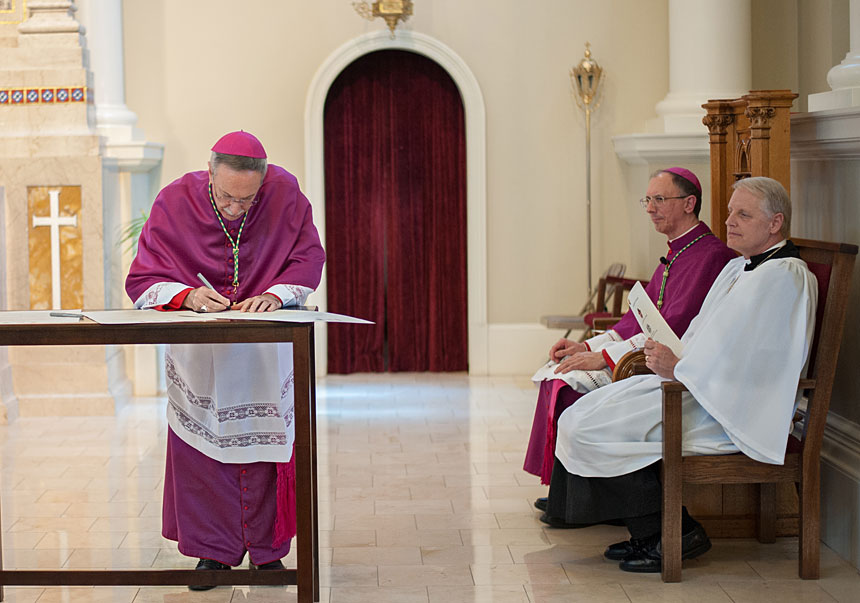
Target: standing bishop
(247, 228)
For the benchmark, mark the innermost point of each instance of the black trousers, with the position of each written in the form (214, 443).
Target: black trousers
(634, 498)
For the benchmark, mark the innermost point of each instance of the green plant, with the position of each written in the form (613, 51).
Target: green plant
(130, 233)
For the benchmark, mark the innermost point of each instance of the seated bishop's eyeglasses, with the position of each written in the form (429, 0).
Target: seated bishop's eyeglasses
(657, 200)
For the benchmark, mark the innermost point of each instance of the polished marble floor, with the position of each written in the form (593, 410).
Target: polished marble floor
(423, 500)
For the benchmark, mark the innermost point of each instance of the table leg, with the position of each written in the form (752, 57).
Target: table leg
(305, 486)
(1, 556)
(315, 487)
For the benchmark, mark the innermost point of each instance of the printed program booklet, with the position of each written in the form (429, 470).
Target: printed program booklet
(652, 323)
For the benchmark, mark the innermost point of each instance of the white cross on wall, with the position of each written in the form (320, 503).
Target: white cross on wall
(55, 220)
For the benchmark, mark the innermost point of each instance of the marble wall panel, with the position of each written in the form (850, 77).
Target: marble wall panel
(17, 174)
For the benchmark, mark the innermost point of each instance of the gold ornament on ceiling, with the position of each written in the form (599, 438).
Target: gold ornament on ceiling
(393, 11)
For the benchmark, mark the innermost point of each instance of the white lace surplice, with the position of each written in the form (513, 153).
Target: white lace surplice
(233, 402)
(742, 356)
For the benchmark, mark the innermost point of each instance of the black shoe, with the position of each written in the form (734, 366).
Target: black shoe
(540, 504)
(647, 556)
(272, 565)
(618, 551)
(207, 564)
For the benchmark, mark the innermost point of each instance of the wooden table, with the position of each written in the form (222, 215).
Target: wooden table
(86, 332)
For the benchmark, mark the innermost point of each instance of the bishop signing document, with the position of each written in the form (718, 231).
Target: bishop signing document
(244, 227)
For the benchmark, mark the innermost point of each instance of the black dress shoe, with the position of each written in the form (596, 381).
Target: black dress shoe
(618, 551)
(207, 564)
(647, 555)
(272, 565)
(540, 503)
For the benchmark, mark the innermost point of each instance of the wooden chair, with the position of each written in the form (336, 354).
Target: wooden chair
(832, 264)
(597, 314)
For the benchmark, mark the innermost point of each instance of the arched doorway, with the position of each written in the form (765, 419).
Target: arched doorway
(395, 182)
(476, 176)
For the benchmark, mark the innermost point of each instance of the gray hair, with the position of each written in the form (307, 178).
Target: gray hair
(773, 197)
(239, 163)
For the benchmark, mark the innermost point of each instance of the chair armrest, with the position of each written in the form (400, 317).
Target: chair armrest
(671, 475)
(631, 363)
(672, 429)
(605, 323)
(673, 386)
(672, 391)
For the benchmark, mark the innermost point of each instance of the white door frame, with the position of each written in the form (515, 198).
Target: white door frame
(476, 172)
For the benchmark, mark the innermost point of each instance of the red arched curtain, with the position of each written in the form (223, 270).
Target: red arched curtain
(395, 178)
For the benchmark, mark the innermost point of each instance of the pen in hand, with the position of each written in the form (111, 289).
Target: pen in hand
(214, 297)
(204, 281)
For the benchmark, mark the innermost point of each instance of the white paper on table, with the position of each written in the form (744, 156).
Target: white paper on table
(114, 317)
(132, 317)
(287, 315)
(652, 322)
(38, 317)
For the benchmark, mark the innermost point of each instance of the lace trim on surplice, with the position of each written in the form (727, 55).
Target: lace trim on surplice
(237, 412)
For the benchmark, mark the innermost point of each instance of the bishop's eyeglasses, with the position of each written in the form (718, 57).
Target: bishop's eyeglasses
(657, 200)
(228, 200)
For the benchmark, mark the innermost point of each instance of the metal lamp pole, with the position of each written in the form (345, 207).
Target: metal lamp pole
(585, 78)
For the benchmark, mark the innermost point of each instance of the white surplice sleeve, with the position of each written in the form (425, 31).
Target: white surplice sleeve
(616, 350)
(598, 342)
(290, 295)
(159, 294)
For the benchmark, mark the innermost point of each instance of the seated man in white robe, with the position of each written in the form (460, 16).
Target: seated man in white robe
(742, 357)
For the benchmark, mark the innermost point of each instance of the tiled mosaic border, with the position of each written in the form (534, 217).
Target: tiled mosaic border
(13, 15)
(30, 96)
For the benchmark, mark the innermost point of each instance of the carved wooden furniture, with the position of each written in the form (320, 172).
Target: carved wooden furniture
(749, 136)
(306, 575)
(631, 363)
(832, 264)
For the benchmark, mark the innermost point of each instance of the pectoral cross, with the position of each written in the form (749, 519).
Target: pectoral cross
(55, 221)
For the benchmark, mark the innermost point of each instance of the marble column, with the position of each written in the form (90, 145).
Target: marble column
(130, 167)
(709, 57)
(50, 156)
(844, 78)
(102, 23)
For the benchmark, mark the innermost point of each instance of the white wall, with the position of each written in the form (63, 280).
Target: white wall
(198, 68)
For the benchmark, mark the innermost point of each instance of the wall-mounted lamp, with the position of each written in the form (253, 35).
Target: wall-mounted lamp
(393, 11)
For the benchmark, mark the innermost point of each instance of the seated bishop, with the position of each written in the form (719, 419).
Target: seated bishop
(741, 360)
(678, 287)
